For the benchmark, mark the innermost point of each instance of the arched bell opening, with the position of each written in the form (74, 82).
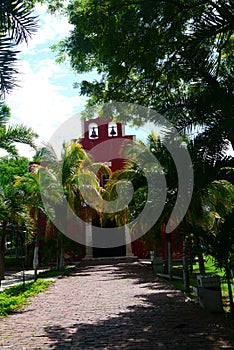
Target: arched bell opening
(93, 131)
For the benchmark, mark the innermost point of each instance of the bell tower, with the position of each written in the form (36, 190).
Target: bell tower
(103, 140)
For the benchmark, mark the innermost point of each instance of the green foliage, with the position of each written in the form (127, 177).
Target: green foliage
(14, 212)
(16, 20)
(219, 243)
(211, 268)
(173, 56)
(4, 113)
(10, 168)
(57, 272)
(17, 24)
(13, 261)
(50, 251)
(54, 6)
(14, 298)
(11, 135)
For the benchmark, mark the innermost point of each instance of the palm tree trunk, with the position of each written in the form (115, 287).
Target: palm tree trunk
(60, 252)
(61, 258)
(230, 294)
(201, 264)
(169, 256)
(2, 250)
(201, 261)
(36, 249)
(185, 266)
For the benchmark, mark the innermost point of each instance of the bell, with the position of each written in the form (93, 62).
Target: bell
(93, 135)
(113, 132)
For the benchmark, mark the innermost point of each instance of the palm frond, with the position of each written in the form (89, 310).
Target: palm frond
(4, 113)
(46, 154)
(210, 36)
(9, 135)
(17, 24)
(8, 58)
(20, 133)
(17, 21)
(88, 178)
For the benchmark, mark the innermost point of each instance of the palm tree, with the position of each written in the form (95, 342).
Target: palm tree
(208, 166)
(17, 24)
(29, 187)
(119, 216)
(70, 179)
(11, 135)
(139, 175)
(215, 225)
(165, 167)
(14, 211)
(13, 208)
(3, 220)
(220, 244)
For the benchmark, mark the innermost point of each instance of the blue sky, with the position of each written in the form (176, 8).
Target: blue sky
(45, 97)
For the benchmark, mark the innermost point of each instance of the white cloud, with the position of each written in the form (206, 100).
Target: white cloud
(45, 98)
(39, 103)
(51, 28)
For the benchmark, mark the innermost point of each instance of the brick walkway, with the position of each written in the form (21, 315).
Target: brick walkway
(114, 305)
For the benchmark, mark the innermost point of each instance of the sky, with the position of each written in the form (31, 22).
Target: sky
(45, 97)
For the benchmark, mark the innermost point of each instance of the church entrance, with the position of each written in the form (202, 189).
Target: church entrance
(104, 239)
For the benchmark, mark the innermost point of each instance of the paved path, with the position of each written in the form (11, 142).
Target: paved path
(114, 305)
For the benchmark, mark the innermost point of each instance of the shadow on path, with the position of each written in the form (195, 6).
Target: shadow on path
(163, 318)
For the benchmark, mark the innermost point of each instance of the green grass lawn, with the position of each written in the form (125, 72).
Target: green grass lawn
(210, 269)
(14, 298)
(65, 271)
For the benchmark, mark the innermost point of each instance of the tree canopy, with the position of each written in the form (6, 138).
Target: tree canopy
(173, 56)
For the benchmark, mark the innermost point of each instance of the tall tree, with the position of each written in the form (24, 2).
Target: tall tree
(9, 136)
(223, 253)
(69, 179)
(12, 208)
(140, 176)
(218, 237)
(29, 187)
(173, 56)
